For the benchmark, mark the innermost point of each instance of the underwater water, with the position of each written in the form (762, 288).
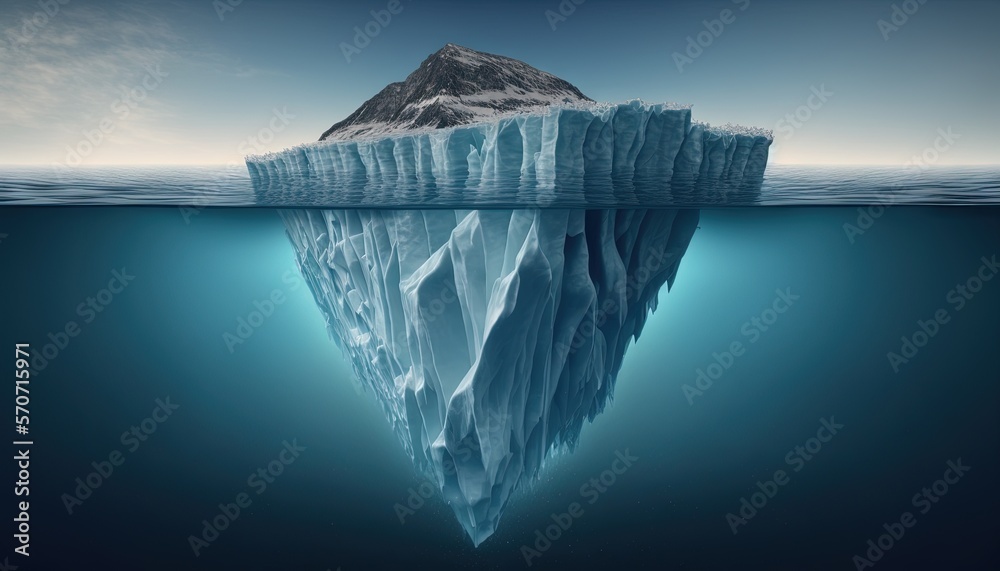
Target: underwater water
(866, 373)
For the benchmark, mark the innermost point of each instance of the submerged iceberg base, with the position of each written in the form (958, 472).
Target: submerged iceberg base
(487, 336)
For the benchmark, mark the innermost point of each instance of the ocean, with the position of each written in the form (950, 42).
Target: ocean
(855, 426)
(231, 186)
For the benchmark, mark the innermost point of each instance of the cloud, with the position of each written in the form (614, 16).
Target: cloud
(67, 69)
(63, 73)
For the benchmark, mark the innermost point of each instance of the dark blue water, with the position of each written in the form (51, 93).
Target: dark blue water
(231, 186)
(193, 273)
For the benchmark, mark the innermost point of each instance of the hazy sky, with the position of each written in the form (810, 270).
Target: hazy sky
(196, 81)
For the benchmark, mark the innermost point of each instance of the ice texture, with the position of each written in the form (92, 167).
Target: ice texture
(568, 143)
(490, 336)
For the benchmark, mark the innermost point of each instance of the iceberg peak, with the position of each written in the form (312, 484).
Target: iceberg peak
(456, 86)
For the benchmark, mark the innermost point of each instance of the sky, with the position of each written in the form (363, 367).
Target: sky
(207, 82)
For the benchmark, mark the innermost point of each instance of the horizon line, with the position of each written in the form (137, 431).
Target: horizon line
(234, 162)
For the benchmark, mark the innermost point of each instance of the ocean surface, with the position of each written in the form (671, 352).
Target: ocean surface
(231, 186)
(193, 274)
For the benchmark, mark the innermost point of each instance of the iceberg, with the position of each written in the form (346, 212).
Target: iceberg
(488, 336)
(470, 129)
(561, 146)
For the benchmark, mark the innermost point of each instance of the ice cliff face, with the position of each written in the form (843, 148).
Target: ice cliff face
(651, 143)
(489, 337)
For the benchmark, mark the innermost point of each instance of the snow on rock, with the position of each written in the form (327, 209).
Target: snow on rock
(468, 120)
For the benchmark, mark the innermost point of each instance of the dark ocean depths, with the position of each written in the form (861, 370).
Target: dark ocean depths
(898, 435)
